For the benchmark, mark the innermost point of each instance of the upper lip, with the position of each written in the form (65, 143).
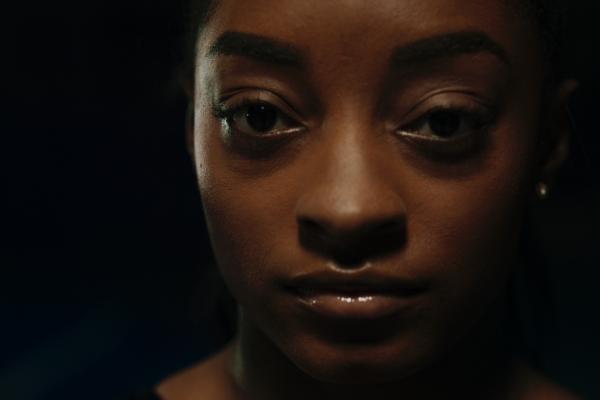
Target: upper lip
(367, 282)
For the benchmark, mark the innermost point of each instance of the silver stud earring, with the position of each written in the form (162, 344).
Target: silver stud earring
(542, 190)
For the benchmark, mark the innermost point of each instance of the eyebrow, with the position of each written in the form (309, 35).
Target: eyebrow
(271, 51)
(258, 48)
(446, 46)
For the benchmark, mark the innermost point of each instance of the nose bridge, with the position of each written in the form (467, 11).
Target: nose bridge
(349, 192)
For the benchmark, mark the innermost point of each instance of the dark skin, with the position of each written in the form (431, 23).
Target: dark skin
(397, 138)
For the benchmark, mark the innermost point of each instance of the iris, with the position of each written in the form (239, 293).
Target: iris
(261, 117)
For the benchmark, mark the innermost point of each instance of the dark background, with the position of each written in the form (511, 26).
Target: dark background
(102, 241)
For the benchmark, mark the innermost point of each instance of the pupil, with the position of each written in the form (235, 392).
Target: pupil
(261, 117)
(444, 123)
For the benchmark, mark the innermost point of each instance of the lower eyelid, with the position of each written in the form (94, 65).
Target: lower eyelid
(447, 150)
(429, 138)
(228, 116)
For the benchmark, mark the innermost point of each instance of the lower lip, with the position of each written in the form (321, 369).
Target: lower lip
(355, 305)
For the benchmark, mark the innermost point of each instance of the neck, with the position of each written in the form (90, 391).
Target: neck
(478, 367)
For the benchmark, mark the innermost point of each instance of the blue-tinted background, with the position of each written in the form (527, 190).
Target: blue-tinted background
(103, 246)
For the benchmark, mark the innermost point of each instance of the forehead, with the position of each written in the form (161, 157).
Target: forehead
(356, 28)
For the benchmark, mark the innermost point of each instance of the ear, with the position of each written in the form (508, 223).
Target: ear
(556, 136)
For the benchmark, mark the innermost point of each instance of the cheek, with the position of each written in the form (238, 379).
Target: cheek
(243, 217)
(480, 221)
(476, 219)
(243, 243)
(466, 233)
(470, 244)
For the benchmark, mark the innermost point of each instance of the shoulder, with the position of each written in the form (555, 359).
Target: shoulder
(209, 379)
(532, 385)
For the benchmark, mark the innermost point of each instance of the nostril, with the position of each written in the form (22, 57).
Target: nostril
(310, 224)
(312, 227)
(352, 244)
(349, 232)
(337, 234)
(391, 226)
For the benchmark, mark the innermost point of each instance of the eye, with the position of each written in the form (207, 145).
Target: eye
(260, 117)
(446, 124)
(257, 118)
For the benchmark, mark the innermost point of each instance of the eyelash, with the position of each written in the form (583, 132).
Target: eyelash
(227, 113)
(223, 112)
(476, 117)
(476, 121)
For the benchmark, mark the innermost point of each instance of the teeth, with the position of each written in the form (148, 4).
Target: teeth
(359, 299)
(345, 299)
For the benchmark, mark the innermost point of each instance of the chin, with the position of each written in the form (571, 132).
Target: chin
(360, 364)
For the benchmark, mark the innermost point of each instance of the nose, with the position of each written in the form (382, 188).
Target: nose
(351, 212)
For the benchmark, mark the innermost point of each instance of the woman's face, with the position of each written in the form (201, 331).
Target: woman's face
(364, 168)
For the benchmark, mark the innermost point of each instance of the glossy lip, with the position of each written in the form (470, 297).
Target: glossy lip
(360, 295)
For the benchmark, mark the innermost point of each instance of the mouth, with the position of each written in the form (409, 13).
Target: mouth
(355, 296)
